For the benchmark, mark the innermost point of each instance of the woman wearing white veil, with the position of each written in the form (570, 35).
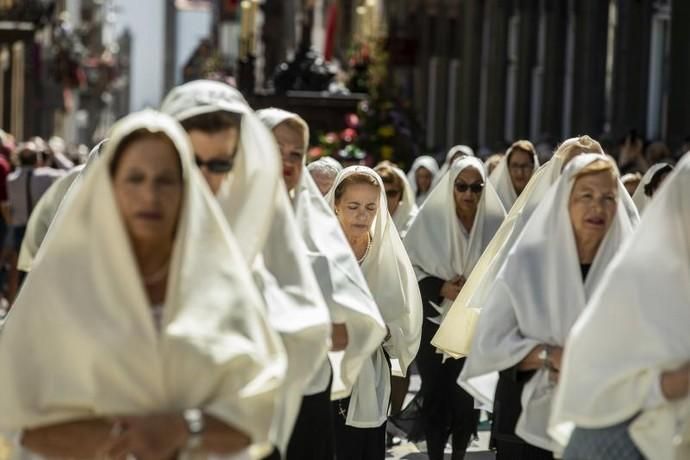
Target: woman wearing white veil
(479, 284)
(255, 203)
(514, 171)
(357, 324)
(157, 343)
(401, 201)
(421, 177)
(446, 239)
(650, 184)
(453, 154)
(359, 201)
(626, 367)
(553, 268)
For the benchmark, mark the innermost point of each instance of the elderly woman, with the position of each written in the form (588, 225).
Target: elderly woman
(631, 182)
(162, 346)
(624, 383)
(478, 285)
(514, 171)
(421, 177)
(240, 161)
(552, 270)
(453, 154)
(358, 328)
(444, 242)
(324, 171)
(359, 201)
(650, 183)
(401, 200)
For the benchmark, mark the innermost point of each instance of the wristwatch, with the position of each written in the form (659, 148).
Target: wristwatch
(194, 419)
(545, 356)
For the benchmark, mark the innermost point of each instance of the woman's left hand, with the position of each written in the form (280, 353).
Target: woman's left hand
(151, 437)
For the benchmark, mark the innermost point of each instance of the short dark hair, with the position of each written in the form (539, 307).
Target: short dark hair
(213, 122)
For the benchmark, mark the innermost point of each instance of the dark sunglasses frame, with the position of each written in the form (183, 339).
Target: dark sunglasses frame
(215, 165)
(474, 188)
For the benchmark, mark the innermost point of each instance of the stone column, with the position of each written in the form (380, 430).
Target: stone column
(471, 21)
(556, 13)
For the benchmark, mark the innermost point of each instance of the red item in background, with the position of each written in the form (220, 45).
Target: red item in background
(331, 25)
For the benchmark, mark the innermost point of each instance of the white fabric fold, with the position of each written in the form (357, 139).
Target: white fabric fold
(391, 279)
(256, 205)
(100, 353)
(503, 183)
(436, 243)
(460, 151)
(537, 297)
(634, 328)
(479, 284)
(340, 279)
(45, 210)
(429, 163)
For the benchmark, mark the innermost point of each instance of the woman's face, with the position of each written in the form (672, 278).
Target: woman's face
(467, 191)
(147, 184)
(291, 144)
(357, 209)
(323, 181)
(592, 206)
(423, 178)
(521, 167)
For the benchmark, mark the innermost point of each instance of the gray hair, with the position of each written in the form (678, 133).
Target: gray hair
(326, 166)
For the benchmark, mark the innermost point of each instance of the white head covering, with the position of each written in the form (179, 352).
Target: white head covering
(255, 203)
(333, 262)
(463, 150)
(392, 281)
(436, 243)
(426, 162)
(500, 177)
(537, 297)
(479, 285)
(635, 327)
(100, 353)
(407, 208)
(45, 210)
(640, 198)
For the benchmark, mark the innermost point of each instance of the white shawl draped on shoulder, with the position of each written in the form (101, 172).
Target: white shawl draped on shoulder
(47, 207)
(81, 341)
(479, 284)
(436, 244)
(255, 203)
(537, 297)
(634, 328)
(392, 282)
(429, 163)
(503, 183)
(340, 279)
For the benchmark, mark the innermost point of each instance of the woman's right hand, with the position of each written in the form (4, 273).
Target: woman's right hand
(675, 384)
(339, 337)
(84, 439)
(451, 288)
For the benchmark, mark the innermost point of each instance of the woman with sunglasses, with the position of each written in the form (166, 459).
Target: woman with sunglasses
(444, 242)
(556, 264)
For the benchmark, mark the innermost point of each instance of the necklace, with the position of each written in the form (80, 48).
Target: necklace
(366, 253)
(158, 275)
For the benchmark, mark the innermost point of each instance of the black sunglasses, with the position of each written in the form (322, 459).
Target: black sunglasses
(215, 165)
(461, 187)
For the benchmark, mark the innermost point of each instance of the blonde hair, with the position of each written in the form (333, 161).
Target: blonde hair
(596, 167)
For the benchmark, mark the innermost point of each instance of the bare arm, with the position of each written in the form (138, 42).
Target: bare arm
(79, 439)
(674, 384)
